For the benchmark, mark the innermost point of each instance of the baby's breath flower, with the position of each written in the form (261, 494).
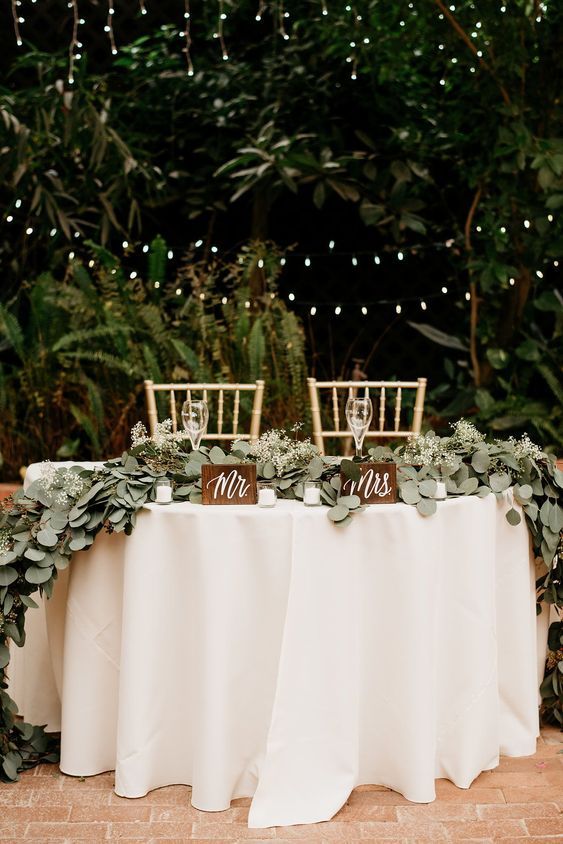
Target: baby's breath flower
(277, 447)
(5, 540)
(465, 434)
(524, 447)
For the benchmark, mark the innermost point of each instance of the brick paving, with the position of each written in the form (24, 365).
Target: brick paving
(520, 801)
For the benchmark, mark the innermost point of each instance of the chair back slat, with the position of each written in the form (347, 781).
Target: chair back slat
(209, 392)
(220, 412)
(382, 409)
(173, 411)
(351, 389)
(398, 409)
(335, 410)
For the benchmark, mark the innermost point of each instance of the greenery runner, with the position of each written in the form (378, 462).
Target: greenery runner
(64, 510)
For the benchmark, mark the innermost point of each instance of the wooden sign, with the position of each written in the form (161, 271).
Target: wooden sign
(377, 483)
(228, 483)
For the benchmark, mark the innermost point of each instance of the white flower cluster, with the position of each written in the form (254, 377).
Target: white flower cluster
(524, 447)
(162, 439)
(5, 540)
(429, 450)
(277, 447)
(64, 485)
(465, 434)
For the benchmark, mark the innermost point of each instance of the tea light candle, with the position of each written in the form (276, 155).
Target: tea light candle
(311, 495)
(266, 497)
(163, 494)
(440, 493)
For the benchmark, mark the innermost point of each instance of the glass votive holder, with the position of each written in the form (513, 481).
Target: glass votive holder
(312, 493)
(266, 494)
(163, 491)
(441, 492)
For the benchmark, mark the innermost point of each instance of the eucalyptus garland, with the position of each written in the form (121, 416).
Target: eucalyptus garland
(64, 510)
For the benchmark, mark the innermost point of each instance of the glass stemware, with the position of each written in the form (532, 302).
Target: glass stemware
(359, 413)
(195, 416)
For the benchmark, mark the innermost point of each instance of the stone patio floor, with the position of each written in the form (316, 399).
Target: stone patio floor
(520, 801)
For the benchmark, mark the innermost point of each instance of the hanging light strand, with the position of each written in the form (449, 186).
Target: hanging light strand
(73, 42)
(281, 21)
(109, 27)
(142, 7)
(188, 36)
(221, 30)
(261, 10)
(15, 18)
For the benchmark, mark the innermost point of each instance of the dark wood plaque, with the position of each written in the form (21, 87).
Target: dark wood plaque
(228, 483)
(377, 483)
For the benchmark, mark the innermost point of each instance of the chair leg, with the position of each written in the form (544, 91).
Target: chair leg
(316, 415)
(152, 412)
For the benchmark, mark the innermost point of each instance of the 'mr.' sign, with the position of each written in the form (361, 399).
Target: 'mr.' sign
(228, 483)
(377, 483)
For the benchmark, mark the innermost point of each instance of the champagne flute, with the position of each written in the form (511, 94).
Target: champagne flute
(359, 413)
(195, 416)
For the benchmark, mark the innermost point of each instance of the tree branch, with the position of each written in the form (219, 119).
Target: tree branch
(469, 43)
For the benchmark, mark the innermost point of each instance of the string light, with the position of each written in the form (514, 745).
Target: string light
(261, 10)
(282, 262)
(550, 218)
(91, 263)
(526, 224)
(291, 297)
(18, 203)
(157, 285)
(354, 261)
(247, 304)
(364, 310)
(313, 311)
(468, 296)
(224, 300)
(142, 7)
(539, 273)
(400, 256)
(125, 244)
(9, 218)
(444, 289)
(109, 27)
(423, 304)
(307, 261)
(73, 42)
(15, 17)
(512, 282)
(53, 232)
(331, 244)
(133, 275)
(146, 247)
(220, 32)
(198, 243)
(169, 254)
(261, 263)
(398, 309)
(188, 37)
(338, 310)
(376, 259)
(29, 230)
(178, 291)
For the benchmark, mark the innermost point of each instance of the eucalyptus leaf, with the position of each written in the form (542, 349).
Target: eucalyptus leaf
(216, 454)
(556, 518)
(545, 512)
(409, 492)
(37, 575)
(47, 537)
(499, 481)
(7, 575)
(427, 488)
(338, 513)
(315, 468)
(4, 656)
(34, 554)
(469, 486)
(481, 461)
(349, 501)
(28, 602)
(268, 470)
(513, 517)
(77, 544)
(351, 470)
(426, 506)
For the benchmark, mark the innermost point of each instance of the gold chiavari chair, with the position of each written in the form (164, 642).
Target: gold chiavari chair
(386, 421)
(178, 393)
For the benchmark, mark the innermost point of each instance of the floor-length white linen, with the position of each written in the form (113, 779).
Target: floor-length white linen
(251, 651)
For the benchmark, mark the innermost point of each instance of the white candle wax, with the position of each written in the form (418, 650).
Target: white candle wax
(163, 494)
(312, 496)
(266, 497)
(440, 493)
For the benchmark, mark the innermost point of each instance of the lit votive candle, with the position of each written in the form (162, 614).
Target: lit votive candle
(163, 494)
(311, 494)
(440, 494)
(266, 495)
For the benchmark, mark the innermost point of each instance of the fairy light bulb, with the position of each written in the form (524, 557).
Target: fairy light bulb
(400, 256)
(423, 304)
(307, 261)
(18, 203)
(444, 289)
(247, 304)
(313, 311)
(354, 261)
(9, 218)
(125, 244)
(198, 243)
(157, 285)
(224, 300)
(133, 275)
(146, 247)
(52, 233)
(331, 244)
(539, 273)
(283, 262)
(29, 230)
(91, 263)
(291, 297)
(527, 224)
(170, 255)
(376, 259)
(468, 296)
(261, 263)
(178, 291)
(512, 282)
(398, 309)
(364, 310)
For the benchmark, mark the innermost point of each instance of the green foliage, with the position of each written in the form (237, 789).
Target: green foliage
(78, 348)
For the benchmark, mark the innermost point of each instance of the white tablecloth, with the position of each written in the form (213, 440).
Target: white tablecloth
(248, 651)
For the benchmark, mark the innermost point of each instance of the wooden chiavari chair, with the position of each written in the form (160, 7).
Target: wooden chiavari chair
(386, 421)
(195, 391)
